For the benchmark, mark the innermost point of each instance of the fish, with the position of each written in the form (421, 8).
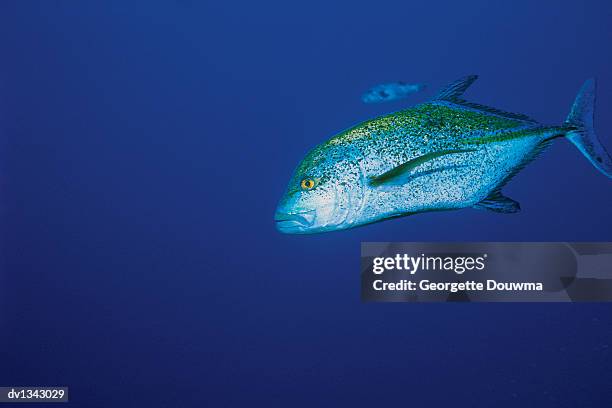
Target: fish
(390, 92)
(444, 154)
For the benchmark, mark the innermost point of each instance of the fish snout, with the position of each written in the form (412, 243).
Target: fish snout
(294, 222)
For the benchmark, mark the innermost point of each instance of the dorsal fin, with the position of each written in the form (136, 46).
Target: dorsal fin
(494, 111)
(455, 90)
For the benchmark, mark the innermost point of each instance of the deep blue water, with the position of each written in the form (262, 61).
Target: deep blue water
(144, 146)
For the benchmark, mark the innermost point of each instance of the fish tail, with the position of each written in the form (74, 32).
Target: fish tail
(582, 131)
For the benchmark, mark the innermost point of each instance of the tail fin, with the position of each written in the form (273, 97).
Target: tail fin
(583, 136)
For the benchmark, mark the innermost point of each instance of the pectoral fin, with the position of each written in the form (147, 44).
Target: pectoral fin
(405, 171)
(497, 202)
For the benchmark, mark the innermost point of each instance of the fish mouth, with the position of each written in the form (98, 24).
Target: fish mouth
(294, 222)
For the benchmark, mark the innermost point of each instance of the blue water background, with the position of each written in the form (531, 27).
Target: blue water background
(145, 145)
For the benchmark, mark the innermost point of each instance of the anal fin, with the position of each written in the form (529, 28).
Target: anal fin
(498, 202)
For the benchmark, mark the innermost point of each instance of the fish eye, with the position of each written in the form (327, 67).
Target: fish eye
(307, 184)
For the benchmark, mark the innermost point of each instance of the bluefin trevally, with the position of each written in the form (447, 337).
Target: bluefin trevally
(444, 154)
(390, 92)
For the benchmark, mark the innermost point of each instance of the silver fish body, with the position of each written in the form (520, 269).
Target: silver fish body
(441, 155)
